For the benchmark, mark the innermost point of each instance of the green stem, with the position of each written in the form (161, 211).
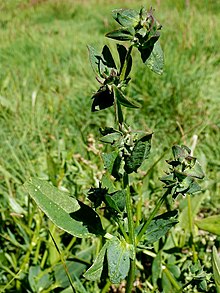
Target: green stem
(190, 217)
(125, 65)
(172, 279)
(131, 275)
(153, 214)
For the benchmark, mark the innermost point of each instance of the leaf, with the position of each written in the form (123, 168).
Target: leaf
(122, 34)
(159, 227)
(38, 280)
(57, 205)
(122, 52)
(156, 268)
(94, 57)
(116, 200)
(196, 171)
(156, 59)
(112, 163)
(126, 17)
(118, 256)
(102, 99)
(210, 224)
(216, 268)
(107, 55)
(95, 271)
(139, 153)
(123, 100)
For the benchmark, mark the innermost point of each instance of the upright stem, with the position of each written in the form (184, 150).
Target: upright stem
(125, 65)
(190, 217)
(153, 214)
(131, 275)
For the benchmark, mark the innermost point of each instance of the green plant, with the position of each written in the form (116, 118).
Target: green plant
(116, 214)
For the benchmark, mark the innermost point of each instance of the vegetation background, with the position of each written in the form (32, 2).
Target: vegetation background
(47, 129)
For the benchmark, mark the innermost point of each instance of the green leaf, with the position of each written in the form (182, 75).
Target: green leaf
(210, 224)
(95, 271)
(94, 57)
(216, 268)
(156, 59)
(139, 153)
(112, 163)
(118, 256)
(57, 205)
(107, 55)
(196, 171)
(123, 100)
(102, 99)
(156, 268)
(122, 52)
(126, 17)
(159, 227)
(122, 34)
(38, 280)
(116, 200)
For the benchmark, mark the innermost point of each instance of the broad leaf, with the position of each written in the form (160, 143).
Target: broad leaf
(156, 59)
(159, 227)
(126, 17)
(216, 268)
(116, 200)
(95, 271)
(122, 34)
(139, 153)
(58, 206)
(123, 100)
(210, 224)
(118, 256)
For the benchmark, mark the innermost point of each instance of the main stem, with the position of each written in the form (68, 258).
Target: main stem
(131, 274)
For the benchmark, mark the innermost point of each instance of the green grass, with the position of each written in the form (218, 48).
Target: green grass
(46, 85)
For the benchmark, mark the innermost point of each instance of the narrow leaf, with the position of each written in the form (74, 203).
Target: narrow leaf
(156, 59)
(216, 268)
(122, 52)
(210, 224)
(122, 34)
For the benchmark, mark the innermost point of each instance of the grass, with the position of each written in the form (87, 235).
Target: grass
(45, 87)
